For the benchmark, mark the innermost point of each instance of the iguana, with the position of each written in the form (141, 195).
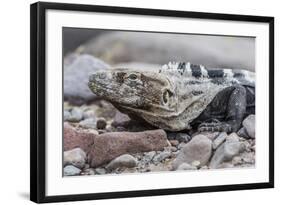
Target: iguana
(180, 95)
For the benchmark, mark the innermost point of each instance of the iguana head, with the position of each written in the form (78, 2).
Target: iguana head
(135, 90)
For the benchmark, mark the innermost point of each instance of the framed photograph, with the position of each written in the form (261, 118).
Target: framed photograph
(129, 102)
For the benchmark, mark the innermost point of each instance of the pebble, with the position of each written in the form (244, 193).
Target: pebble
(237, 160)
(75, 157)
(76, 114)
(125, 160)
(230, 148)
(101, 123)
(66, 115)
(71, 170)
(89, 114)
(249, 124)
(174, 142)
(100, 171)
(243, 133)
(198, 149)
(225, 166)
(186, 166)
(219, 140)
(196, 163)
(161, 156)
(88, 123)
(147, 157)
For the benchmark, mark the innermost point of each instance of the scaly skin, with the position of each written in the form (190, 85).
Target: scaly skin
(180, 96)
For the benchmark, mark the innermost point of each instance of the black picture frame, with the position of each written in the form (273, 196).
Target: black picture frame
(38, 101)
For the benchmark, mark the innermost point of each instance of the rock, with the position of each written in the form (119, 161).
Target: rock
(76, 78)
(101, 123)
(76, 114)
(243, 133)
(186, 166)
(71, 170)
(125, 160)
(199, 149)
(196, 163)
(75, 157)
(174, 142)
(88, 171)
(121, 120)
(237, 160)
(75, 138)
(230, 148)
(108, 146)
(181, 145)
(88, 123)
(100, 171)
(248, 157)
(211, 135)
(161, 156)
(249, 124)
(204, 168)
(66, 115)
(148, 156)
(119, 47)
(90, 113)
(225, 166)
(219, 140)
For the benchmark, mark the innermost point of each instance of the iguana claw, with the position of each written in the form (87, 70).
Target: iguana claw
(214, 127)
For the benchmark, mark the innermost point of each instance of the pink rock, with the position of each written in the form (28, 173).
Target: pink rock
(77, 138)
(108, 146)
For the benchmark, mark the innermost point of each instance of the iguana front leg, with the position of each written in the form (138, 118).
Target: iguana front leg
(235, 111)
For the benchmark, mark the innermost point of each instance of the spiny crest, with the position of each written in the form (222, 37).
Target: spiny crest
(185, 69)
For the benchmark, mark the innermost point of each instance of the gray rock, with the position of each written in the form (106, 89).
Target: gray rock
(76, 77)
(243, 133)
(186, 166)
(71, 170)
(88, 123)
(249, 124)
(75, 157)
(181, 145)
(211, 135)
(66, 115)
(198, 149)
(124, 160)
(100, 171)
(120, 120)
(161, 156)
(219, 140)
(90, 113)
(225, 165)
(230, 148)
(76, 114)
(101, 123)
(237, 160)
(248, 157)
(148, 156)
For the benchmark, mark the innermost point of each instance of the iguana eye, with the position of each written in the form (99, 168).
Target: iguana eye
(133, 76)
